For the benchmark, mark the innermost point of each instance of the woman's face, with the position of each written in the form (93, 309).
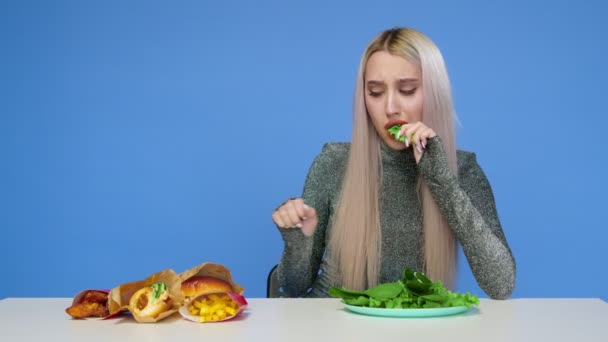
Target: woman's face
(393, 91)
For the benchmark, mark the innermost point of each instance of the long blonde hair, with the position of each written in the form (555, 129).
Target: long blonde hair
(355, 235)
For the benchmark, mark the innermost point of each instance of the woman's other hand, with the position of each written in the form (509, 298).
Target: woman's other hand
(296, 214)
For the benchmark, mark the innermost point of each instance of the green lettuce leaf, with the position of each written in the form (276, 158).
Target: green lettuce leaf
(394, 130)
(414, 290)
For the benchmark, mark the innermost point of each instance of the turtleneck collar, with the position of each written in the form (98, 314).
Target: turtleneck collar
(397, 157)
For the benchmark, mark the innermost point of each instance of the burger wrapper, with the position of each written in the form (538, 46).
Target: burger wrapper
(212, 270)
(118, 299)
(240, 301)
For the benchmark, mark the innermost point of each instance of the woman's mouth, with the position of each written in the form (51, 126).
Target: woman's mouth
(394, 122)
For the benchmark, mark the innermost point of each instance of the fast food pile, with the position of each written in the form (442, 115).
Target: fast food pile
(205, 293)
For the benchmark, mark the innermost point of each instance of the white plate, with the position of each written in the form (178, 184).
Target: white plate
(434, 312)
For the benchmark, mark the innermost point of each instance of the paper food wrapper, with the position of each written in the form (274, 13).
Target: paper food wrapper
(119, 297)
(212, 270)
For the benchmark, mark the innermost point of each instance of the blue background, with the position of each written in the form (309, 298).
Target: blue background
(139, 136)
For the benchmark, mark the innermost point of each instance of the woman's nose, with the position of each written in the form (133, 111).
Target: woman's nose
(391, 107)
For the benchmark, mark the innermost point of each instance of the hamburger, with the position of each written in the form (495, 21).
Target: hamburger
(200, 285)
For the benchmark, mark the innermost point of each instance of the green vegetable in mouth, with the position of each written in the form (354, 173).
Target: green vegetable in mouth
(413, 291)
(394, 130)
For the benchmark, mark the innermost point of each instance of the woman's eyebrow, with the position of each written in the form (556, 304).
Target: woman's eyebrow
(375, 83)
(408, 80)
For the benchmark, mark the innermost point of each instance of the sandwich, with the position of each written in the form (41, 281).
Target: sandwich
(150, 301)
(198, 285)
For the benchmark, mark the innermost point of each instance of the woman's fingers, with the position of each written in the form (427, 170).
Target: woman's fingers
(281, 216)
(417, 135)
(423, 137)
(287, 223)
(277, 219)
(295, 213)
(404, 132)
(309, 212)
(310, 223)
(294, 218)
(299, 206)
(412, 133)
(425, 134)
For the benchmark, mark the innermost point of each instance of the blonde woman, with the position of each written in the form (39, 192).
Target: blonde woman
(375, 206)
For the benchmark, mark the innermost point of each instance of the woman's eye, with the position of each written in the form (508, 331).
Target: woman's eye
(408, 91)
(374, 93)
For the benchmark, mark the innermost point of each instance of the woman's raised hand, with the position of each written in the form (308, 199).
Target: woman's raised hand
(295, 214)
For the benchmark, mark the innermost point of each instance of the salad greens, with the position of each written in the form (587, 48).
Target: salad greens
(394, 130)
(413, 291)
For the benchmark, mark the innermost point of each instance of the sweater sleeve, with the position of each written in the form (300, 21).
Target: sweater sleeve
(469, 207)
(302, 255)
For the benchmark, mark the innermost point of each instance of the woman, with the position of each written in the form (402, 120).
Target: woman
(376, 206)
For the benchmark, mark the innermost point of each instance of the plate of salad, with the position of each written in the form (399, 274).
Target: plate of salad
(415, 295)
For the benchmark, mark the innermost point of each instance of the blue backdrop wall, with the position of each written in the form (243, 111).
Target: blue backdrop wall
(143, 135)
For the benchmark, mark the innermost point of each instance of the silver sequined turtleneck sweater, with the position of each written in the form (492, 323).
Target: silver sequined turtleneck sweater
(466, 201)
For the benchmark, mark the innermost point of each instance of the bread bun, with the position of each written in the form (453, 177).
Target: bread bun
(142, 304)
(199, 285)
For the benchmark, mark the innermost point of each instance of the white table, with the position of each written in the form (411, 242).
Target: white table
(572, 320)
